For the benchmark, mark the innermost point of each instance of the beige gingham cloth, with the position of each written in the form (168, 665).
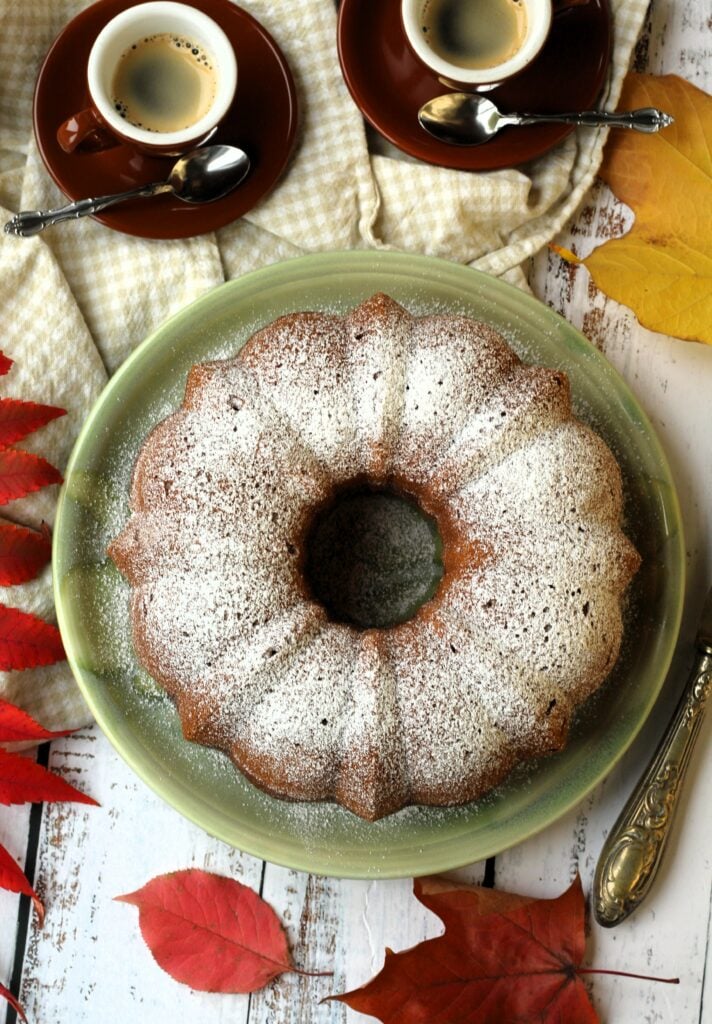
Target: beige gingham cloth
(75, 301)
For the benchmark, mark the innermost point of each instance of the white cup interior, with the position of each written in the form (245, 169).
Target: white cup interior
(538, 23)
(151, 19)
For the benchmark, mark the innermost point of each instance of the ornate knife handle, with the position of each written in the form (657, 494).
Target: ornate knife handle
(632, 853)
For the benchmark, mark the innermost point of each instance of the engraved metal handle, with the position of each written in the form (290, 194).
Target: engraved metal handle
(632, 853)
(31, 222)
(647, 119)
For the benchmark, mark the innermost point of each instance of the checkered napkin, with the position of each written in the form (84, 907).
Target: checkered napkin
(75, 301)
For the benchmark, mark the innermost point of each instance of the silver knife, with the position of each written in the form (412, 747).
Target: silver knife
(632, 853)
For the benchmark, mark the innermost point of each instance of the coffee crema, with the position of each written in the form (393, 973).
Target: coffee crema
(164, 83)
(474, 34)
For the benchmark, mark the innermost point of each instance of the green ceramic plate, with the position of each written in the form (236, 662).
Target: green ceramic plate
(142, 724)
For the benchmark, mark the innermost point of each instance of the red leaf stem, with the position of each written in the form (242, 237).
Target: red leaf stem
(627, 974)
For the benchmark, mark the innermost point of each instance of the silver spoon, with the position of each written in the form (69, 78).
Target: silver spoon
(467, 119)
(198, 177)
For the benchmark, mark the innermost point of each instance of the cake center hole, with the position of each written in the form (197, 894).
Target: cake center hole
(373, 558)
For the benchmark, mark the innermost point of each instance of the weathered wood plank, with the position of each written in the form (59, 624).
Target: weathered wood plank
(343, 926)
(14, 829)
(669, 933)
(315, 911)
(90, 961)
(676, 40)
(88, 855)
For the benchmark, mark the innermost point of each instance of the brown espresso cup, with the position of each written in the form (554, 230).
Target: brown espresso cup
(160, 76)
(478, 45)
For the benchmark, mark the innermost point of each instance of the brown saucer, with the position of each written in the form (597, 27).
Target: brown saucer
(390, 84)
(262, 120)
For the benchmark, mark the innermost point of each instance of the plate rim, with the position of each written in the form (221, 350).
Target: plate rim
(308, 860)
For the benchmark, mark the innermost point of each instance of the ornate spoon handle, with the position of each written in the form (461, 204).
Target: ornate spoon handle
(647, 119)
(31, 222)
(632, 853)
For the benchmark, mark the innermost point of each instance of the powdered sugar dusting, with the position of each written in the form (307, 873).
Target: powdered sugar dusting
(436, 710)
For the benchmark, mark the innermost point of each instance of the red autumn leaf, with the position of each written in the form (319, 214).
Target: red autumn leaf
(503, 959)
(26, 641)
(21, 472)
(24, 781)
(16, 726)
(13, 878)
(23, 553)
(18, 419)
(5, 992)
(211, 932)
(5, 364)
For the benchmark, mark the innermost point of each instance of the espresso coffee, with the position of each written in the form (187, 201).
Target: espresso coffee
(164, 83)
(474, 33)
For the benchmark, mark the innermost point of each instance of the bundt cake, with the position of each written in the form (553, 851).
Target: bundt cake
(272, 461)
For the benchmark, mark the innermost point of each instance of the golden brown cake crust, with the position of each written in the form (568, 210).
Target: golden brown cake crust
(524, 626)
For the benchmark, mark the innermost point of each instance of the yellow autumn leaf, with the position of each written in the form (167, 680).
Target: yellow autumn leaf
(662, 269)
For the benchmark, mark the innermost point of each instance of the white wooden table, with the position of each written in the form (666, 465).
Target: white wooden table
(89, 963)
